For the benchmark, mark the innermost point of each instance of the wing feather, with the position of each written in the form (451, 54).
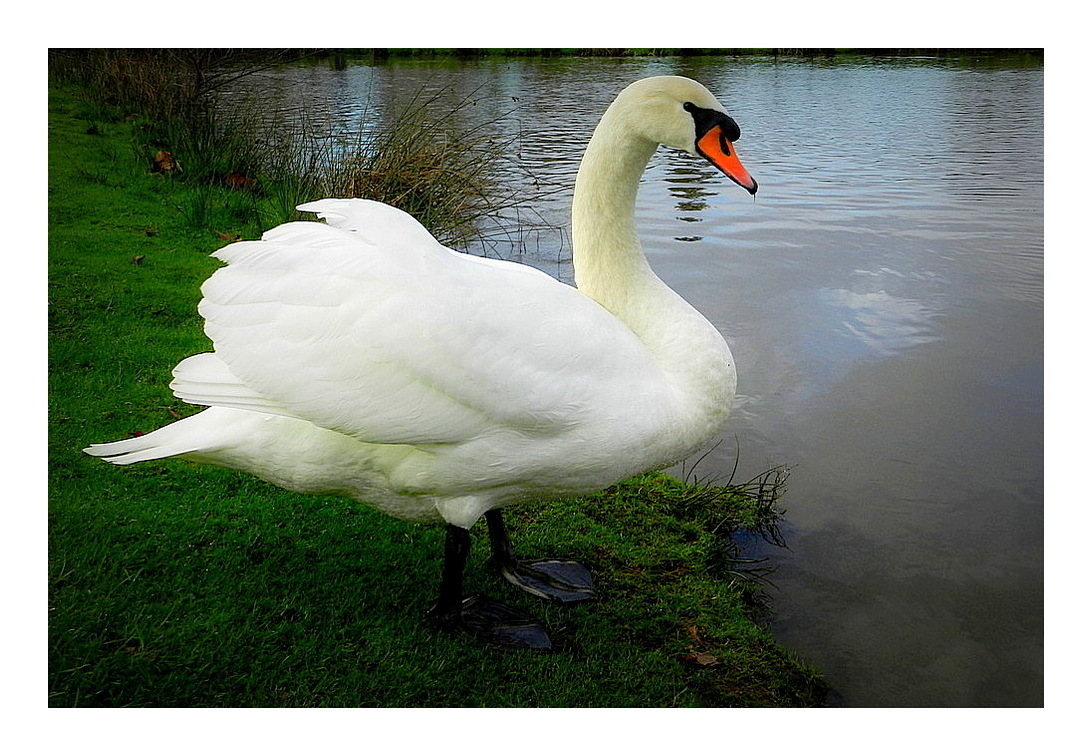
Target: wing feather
(368, 326)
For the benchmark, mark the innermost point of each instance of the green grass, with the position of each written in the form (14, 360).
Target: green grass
(172, 584)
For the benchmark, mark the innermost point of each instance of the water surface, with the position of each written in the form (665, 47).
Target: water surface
(883, 297)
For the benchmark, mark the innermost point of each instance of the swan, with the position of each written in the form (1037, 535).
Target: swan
(359, 357)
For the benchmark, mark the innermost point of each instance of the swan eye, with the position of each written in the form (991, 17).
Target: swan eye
(707, 118)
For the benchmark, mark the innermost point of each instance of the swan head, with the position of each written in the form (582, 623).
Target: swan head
(681, 113)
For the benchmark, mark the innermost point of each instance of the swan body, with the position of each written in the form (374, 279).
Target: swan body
(360, 357)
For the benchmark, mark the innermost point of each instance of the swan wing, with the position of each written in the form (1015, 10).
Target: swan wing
(368, 326)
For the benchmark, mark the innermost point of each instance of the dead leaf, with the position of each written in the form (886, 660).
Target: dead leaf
(703, 659)
(165, 162)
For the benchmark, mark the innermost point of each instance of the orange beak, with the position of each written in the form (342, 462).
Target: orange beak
(715, 147)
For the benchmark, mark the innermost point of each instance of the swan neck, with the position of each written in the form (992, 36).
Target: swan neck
(610, 267)
(607, 254)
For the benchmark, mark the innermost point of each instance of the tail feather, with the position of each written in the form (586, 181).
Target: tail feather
(195, 434)
(156, 445)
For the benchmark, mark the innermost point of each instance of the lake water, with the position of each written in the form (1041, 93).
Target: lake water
(883, 297)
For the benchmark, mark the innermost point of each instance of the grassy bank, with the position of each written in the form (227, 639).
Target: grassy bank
(172, 584)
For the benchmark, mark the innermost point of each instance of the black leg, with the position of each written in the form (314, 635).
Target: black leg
(481, 617)
(554, 579)
(450, 606)
(498, 538)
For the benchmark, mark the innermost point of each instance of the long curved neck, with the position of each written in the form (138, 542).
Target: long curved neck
(608, 261)
(607, 258)
(611, 268)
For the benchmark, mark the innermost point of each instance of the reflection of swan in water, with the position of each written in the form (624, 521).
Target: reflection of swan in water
(361, 358)
(687, 185)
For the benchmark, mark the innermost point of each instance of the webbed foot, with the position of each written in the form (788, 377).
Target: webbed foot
(558, 580)
(502, 625)
(554, 579)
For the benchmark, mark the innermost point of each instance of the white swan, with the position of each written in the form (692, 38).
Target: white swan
(361, 358)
